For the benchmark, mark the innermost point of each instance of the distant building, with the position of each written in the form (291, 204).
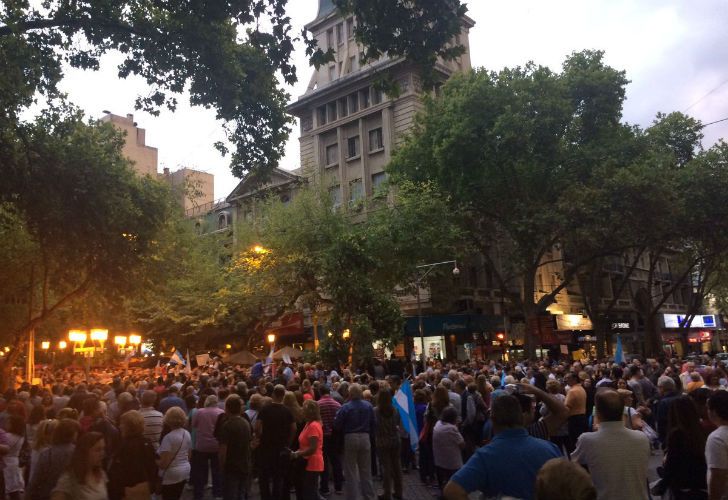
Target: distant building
(144, 158)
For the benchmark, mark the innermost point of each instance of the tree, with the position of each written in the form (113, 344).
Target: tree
(513, 150)
(81, 221)
(226, 54)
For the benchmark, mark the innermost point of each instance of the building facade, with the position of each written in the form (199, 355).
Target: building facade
(144, 158)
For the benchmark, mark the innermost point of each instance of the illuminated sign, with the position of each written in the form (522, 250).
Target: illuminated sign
(699, 321)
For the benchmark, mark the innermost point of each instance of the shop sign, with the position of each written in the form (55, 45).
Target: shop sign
(586, 338)
(699, 321)
(573, 322)
(699, 337)
(542, 327)
(621, 326)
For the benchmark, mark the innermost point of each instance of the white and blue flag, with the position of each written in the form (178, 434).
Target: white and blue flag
(405, 404)
(619, 353)
(177, 358)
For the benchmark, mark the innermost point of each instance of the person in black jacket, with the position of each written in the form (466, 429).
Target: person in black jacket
(133, 469)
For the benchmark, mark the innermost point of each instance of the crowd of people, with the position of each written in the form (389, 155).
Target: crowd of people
(540, 429)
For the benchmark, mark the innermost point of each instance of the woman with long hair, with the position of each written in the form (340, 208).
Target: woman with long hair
(133, 469)
(43, 437)
(295, 474)
(53, 460)
(685, 467)
(388, 443)
(85, 478)
(440, 401)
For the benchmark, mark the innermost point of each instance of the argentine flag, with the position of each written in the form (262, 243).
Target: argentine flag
(619, 353)
(405, 404)
(177, 358)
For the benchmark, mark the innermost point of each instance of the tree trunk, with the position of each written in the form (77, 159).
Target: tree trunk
(601, 330)
(652, 336)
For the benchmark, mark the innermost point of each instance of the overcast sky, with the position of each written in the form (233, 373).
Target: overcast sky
(675, 54)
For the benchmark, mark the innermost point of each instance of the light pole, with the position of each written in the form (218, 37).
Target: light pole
(423, 271)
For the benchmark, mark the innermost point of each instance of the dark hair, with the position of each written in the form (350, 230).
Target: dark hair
(449, 415)
(683, 419)
(324, 389)
(506, 412)
(610, 407)
(279, 392)
(80, 466)
(384, 402)
(90, 405)
(718, 403)
(15, 425)
(233, 405)
(65, 432)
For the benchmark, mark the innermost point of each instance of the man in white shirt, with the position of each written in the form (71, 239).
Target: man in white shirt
(616, 457)
(716, 448)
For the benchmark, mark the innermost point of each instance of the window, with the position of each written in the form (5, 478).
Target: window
(352, 63)
(356, 191)
(350, 28)
(364, 98)
(376, 140)
(377, 96)
(353, 103)
(222, 221)
(339, 34)
(343, 107)
(335, 195)
(378, 181)
(332, 155)
(352, 147)
(331, 111)
(332, 73)
(321, 115)
(330, 39)
(341, 68)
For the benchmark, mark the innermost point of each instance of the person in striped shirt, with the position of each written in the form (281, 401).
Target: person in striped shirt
(153, 420)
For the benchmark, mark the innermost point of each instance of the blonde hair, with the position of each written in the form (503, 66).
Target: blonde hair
(560, 479)
(131, 424)
(175, 418)
(311, 411)
(44, 433)
(291, 402)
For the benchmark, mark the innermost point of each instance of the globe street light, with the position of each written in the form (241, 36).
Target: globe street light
(62, 344)
(45, 345)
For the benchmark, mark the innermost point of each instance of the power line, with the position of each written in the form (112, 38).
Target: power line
(716, 121)
(706, 95)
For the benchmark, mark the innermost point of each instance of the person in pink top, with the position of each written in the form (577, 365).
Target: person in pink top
(206, 448)
(311, 447)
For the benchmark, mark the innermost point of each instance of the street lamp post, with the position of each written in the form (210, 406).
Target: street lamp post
(423, 271)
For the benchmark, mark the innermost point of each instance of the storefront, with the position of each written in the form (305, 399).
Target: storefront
(454, 336)
(575, 335)
(700, 334)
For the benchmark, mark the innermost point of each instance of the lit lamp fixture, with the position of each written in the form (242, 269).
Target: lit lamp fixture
(228, 346)
(271, 338)
(45, 345)
(77, 336)
(120, 340)
(100, 334)
(62, 344)
(135, 339)
(346, 334)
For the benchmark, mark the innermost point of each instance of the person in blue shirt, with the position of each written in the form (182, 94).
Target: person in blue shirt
(509, 464)
(356, 421)
(171, 400)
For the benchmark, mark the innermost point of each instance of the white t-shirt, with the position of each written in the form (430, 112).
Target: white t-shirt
(179, 468)
(716, 451)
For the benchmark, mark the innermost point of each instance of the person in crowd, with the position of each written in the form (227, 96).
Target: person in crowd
(255, 404)
(85, 478)
(616, 474)
(447, 446)
(560, 479)
(133, 470)
(205, 453)
(171, 400)
(716, 447)
(696, 382)
(276, 428)
(295, 473)
(310, 448)
(684, 465)
(668, 393)
(575, 403)
(53, 460)
(329, 407)
(700, 398)
(440, 401)
(174, 455)
(12, 472)
(94, 420)
(356, 421)
(153, 419)
(234, 453)
(388, 425)
(491, 469)
(561, 437)
(42, 441)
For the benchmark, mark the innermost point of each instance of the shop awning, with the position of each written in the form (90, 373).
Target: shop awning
(449, 324)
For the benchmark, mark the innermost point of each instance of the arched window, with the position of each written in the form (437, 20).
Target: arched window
(223, 220)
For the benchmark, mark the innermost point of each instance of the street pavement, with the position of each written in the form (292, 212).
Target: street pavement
(413, 489)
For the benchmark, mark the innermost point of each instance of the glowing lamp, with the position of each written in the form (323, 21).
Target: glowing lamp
(120, 340)
(99, 334)
(135, 339)
(271, 338)
(45, 345)
(346, 334)
(62, 344)
(78, 336)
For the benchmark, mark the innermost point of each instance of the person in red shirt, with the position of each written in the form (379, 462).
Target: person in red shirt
(311, 442)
